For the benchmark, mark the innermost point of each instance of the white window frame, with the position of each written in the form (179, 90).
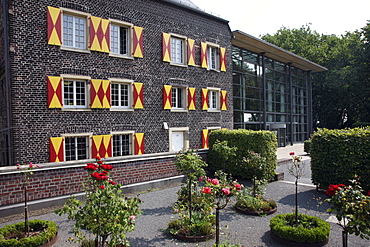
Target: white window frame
(76, 78)
(129, 40)
(174, 40)
(213, 62)
(131, 141)
(75, 14)
(174, 100)
(185, 130)
(88, 142)
(214, 92)
(129, 83)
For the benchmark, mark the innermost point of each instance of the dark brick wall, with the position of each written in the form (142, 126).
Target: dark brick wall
(33, 59)
(48, 182)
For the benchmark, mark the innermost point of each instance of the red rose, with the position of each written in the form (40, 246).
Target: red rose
(207, 190)
(291, 153)
(215, 181)
(333, 188)
(106, 167)
(226, 191)
(100, 162)
(102, 186)
(112, 182)
(97, 157)
(238, 186)
(368, 193)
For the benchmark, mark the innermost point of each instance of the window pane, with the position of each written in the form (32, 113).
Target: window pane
(121, 145)
(177, 50)
(69, 149)
(81, 148)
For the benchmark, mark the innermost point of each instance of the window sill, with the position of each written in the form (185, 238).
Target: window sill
(212, 110)
(179, 110)
(179, 65)
(122, 109)
(215, 70)
(121, 56)
(75, 109)
(74, 49)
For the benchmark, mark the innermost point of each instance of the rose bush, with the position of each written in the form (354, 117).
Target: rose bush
(352, 208)
(105, 212)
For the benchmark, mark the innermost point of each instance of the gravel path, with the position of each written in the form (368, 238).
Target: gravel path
(242, 229)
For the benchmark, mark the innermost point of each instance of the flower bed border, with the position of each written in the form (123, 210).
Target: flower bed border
(254, 213)
(297, 244)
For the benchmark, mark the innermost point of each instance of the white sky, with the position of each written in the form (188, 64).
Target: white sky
(258, 17)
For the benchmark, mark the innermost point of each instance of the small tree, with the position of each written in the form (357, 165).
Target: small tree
(258, 163)
(224, 151)
(27, 174)
(352, 209)
(189, 163)
(296, 169)
(106, 212)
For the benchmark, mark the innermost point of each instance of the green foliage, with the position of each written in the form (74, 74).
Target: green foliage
(254, 204)
(105, 212)
(307, 146)
(337, 155)
(352, 208)
(244, 142)
(47, 231)
(201, 224)
(310, 229)
(190, 163)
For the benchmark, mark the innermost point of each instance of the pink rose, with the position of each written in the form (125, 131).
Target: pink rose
(215, 181)
(132, 217)
(226, 191)
(207, 190)
(238, 186)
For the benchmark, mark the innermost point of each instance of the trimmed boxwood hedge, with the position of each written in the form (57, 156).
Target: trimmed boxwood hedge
(49, 233)
(300, 234)
(262, 142)
(337, 155)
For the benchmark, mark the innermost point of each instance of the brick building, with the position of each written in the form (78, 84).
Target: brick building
(132, 82)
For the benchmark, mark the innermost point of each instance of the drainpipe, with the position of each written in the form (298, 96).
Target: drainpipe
(264, 91)
(7, 80)
(291, 103)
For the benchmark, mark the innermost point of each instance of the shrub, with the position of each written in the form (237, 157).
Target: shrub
(338, 155)
(48, 230)
(307, 146)
(245, 141)
(310, 230)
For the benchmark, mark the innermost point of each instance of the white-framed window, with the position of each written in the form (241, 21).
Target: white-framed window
(120, 38)
(121, 94)
(76, 147)
(213, 57)
(122, 143)
(178, 139)
(178, 98)
(178, 49)
(214, 99)
(74, 30)
(75, 91)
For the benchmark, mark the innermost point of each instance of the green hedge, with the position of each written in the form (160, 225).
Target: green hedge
(50, 230)
(318, 232)
(246, 141)
(337, 155)
(307, 146)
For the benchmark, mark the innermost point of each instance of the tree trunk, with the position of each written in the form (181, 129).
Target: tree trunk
(26, 230)
(345, 238)
(217, 227)
(296, 201)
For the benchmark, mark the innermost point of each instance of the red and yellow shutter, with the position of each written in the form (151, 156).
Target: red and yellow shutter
(191, 98)
(101, 146)
(99, 34)
(100, 93)
(54, 26)
(205, 138)
(191, 52)
(167, 97)
(203, 55)
(223, 100)
(138, 42)
(139, 143)
(166, 47)
(56, 149)
(138, 95)
(205, 99)
(54, 85)
(222, 59)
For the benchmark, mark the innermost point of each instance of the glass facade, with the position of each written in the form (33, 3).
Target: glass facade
(270, 95)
